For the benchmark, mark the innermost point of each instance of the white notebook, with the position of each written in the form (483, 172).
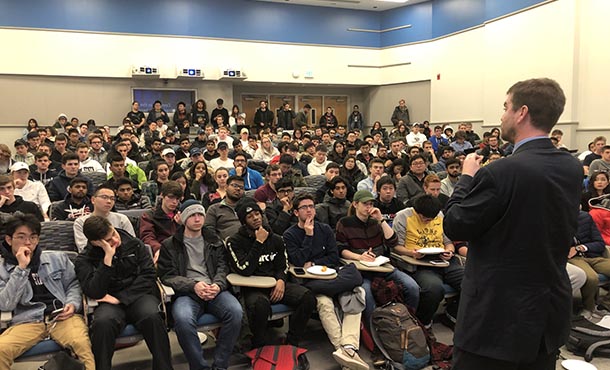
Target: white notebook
(380, 260)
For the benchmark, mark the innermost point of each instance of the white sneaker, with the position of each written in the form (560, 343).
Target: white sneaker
(348, 357)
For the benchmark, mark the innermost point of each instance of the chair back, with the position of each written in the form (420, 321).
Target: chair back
(97, 178)
(315, 181)
(58, 236)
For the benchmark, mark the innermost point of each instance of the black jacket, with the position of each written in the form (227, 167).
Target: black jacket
(263, 119)
(249, 257)
(171, 266)
(519, 216)
(70, 211)
(285, 119)
(278, 219)
(58, 187)
(22, 206)
(131, 275)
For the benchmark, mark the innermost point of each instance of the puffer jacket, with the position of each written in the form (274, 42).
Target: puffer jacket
(588, 235)
(600, 212)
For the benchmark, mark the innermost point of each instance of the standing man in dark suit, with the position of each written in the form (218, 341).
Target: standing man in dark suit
(516, 298)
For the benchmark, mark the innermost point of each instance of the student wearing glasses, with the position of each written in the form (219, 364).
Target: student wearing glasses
(103, 202)
(252, 178)
(28, 290)
(412, 183)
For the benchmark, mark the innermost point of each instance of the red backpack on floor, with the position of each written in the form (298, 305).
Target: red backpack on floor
(284, 357)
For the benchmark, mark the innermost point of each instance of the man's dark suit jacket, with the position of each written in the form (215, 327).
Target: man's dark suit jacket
(519, 215)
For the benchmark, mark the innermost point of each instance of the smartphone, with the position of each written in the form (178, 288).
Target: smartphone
(56, 312)
(299, 271)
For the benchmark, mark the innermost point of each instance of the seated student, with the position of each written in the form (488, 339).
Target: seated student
(11, 203)
(30, 191)
(183, 152)
(42, 170)
(252, 179)
(21, 152)
(310, 242)
(161, 175)
(290, 170)
(116, 269)
(223, 159)
(376, 171)
(266, 151)
(86, 163)
(279, 213)
(256, 251)
(386, 200)
(364, 235)
(160, 223)
(103, 202)
(221, 216)
(127, 198)
(58, 187)
(600, 212)
(120, 170)
(412, 184)
(421, 226)
(432, 186)
(32, 285)
(454, 168)
(76, 204)
(587, 253)
(194, 263)
(318, 165)
(336, 205)
(266, 194)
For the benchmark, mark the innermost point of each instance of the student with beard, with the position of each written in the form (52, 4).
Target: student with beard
(76, 204)
(221, 216)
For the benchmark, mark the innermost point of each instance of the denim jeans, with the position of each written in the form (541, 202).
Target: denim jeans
(187, 310)
(410, 290)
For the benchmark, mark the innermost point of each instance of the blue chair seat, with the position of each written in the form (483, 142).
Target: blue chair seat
(449, 291)
(130, 336)
(280, 308)
(207, 319)
(603, 279)
(43, 349)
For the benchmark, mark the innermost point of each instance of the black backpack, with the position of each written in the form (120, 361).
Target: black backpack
(587, 338)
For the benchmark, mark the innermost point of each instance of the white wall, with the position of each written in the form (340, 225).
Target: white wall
(592, 63)
(110, 55)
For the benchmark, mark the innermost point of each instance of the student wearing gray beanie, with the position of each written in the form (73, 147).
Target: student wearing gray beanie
(189, 208)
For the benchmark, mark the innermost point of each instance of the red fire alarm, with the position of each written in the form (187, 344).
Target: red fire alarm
(438, 76)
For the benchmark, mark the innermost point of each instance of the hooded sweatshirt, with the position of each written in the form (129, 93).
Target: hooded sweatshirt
(22, 206)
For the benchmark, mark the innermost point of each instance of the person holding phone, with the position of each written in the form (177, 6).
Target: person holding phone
(41, 290)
